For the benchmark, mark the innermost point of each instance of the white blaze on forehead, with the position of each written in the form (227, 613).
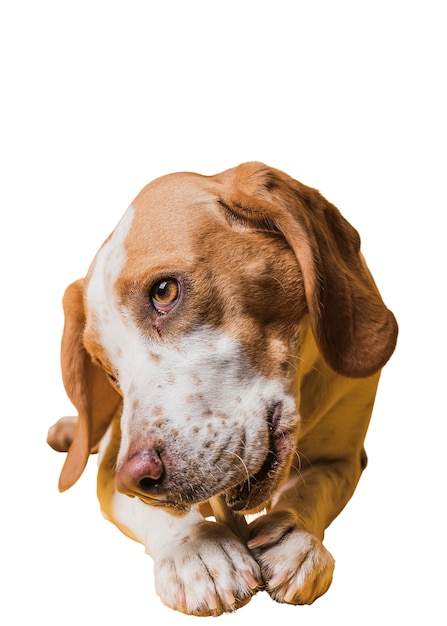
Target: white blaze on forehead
(108, 264)
(103, 308)
(118, 335)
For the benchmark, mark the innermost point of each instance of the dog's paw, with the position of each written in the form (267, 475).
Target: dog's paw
(61, 434)
(208, 572)
(295, 565)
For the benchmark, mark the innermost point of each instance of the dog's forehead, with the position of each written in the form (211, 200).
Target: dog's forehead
(171, 216)
(165, 218)
(175, 190)
(181, 199)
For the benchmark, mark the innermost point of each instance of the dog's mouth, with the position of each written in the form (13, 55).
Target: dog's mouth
(256, 490)
(249, 495)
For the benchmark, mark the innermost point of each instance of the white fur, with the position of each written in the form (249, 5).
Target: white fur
(200, 567)
(198, 407)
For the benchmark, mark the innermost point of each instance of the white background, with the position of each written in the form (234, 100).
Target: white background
(98, 98)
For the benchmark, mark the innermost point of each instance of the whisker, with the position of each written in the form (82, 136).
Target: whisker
(242, 463)
(292, 365)
(300, 458)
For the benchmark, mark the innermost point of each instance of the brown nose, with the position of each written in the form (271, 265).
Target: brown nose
(142, 474)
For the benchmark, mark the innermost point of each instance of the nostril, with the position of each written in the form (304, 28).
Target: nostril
(148, 484)
(142, 473)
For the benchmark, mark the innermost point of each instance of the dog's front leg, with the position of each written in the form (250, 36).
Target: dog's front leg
(287, 541)
(200, 567)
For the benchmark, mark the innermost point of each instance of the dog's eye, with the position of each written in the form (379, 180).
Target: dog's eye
(165, 294)
(112, 378)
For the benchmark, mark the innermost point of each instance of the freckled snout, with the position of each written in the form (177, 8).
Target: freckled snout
(142, 473)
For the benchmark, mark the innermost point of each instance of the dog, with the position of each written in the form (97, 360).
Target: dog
(226, 342)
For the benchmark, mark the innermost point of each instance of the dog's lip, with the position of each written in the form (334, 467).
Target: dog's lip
(247, 494)
(177, 507)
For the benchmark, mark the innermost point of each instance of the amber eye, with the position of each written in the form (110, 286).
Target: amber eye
(113, 379)
(165, 294)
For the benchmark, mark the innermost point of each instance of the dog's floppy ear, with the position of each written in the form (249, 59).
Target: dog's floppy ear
(87, 387)
(354, 330)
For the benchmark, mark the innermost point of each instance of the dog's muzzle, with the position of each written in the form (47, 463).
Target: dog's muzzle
(150, 474)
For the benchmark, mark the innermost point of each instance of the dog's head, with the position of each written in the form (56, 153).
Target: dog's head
(193, 311)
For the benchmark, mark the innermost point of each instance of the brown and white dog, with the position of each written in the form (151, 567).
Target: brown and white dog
(227, 341)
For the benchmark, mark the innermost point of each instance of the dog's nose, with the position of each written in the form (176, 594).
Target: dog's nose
(142, 474)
